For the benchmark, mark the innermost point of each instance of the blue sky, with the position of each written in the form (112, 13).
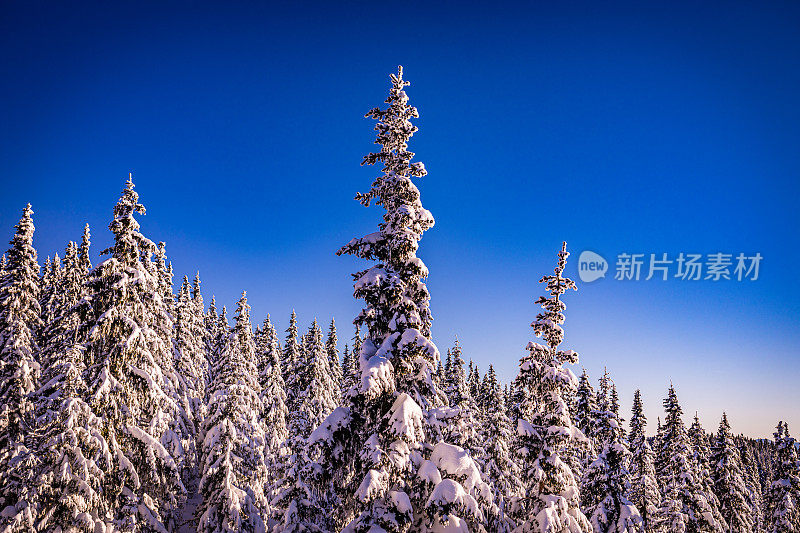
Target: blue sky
(621, 127)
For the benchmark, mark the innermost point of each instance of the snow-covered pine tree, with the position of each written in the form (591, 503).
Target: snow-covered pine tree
(783, 497)
(234, 470)
(73, 453)
(474, 383)
(333, 355)
(19, 373)
(728, 478)
(644, 492)
(2, 266)
(551, 500)
(701, 454)
(291, 361)
(125, 325)
(500, 465)
(375, 447)
(462, 424)
(211, 323)
(684, 507)
(49, 297)
(606, 488)
(752, 484)
(191, 372)
(273, 398)
(349, 368)
(84, 259)
(302, 506)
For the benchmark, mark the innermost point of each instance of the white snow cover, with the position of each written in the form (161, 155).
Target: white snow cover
(406, 419)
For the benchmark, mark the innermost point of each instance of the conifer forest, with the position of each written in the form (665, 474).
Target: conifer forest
(132, 401)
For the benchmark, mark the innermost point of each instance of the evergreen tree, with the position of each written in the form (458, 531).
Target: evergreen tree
(273, 399)
(125, 325)
(211, 322)
(302, 507)
(644, 493)
(783, 497)
(191, 372)
(462, 425)
(333, 356)
(606, 490)
(291, 362)
(753, 485)
(684, 508)
(375, 447)
(84, 261)
(728, 478)
(19, 373)
(552, 496)
(701, 454)
(500, 465)
(234, 470)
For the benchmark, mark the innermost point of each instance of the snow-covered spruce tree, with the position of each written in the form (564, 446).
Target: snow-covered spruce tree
(3, 262)
(728, 478)
(19, 373)
(49, 297)
(191, 373)
(701, 453)
(551, 500)
(200, 322)
(752, 484)
(73, 452)
(63, 293)
(291, 361)
(333, 355)
(349, 364)
(273, 399)
(125, 323)
(606, 489)
(301, 506)
(474, 383)
(234, 471)
(783, 497)
(684, 507)
(211, 323)
(461, 425)
(500, 466)
(376, 447)
(644, 492)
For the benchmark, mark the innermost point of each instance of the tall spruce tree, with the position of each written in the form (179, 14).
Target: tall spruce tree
(291, 361)
(500, 464)
(19, 373)
(644, 493)
(728, 478)
(302, 507)
(273, 398)
(606, 489)
(752, 483)
(551, 501)
(332, 348)
(783, 497)
(125, 322)
(684, 507)
(701, 454)
(234, 470)
(376, 447)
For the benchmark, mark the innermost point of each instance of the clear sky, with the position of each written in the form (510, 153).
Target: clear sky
(619, 127)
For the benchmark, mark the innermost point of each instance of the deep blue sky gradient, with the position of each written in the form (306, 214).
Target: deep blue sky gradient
(618, 127)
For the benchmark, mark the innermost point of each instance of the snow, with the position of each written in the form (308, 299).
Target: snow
(456, 462)
(406, 419)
